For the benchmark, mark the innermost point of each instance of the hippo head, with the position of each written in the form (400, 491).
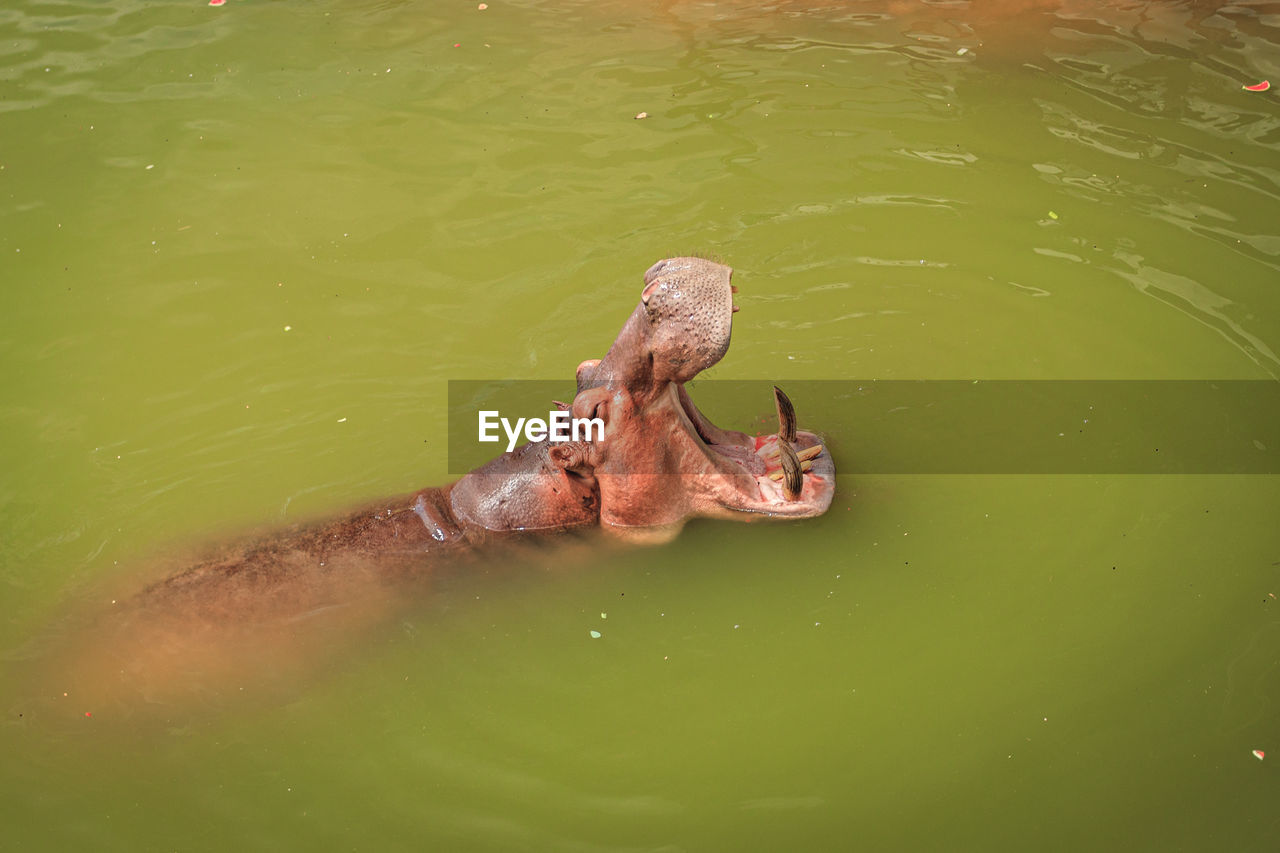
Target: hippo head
(661, 461)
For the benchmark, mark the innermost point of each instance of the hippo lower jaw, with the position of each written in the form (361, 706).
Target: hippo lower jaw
(747, 472)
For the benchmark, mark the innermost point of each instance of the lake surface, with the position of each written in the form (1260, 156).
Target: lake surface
(244, 249)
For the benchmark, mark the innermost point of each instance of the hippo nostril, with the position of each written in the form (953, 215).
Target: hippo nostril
(653, 271)
(649, 288)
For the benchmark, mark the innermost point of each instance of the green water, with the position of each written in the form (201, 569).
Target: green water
(244, 249)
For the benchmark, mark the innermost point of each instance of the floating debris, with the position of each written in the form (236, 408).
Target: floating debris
(1258, 87)
(642, 115)
(595, 635)
(1259, 754)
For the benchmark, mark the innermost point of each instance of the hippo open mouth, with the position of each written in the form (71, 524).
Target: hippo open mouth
(662, 461)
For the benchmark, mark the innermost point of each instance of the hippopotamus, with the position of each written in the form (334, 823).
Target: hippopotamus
(243, 619)
(659, 463)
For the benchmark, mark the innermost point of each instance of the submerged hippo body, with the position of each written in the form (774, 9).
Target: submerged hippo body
(660, 462)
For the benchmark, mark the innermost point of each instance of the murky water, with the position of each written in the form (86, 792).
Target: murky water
(243, 250)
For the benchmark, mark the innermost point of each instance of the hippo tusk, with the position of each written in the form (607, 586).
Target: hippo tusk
(792, 475)
(786, 415)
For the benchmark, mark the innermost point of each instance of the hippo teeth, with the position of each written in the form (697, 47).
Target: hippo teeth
(786, 415)
(777, 475)
(769, 453)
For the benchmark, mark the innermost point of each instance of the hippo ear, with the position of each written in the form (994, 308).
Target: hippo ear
(571, 456)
